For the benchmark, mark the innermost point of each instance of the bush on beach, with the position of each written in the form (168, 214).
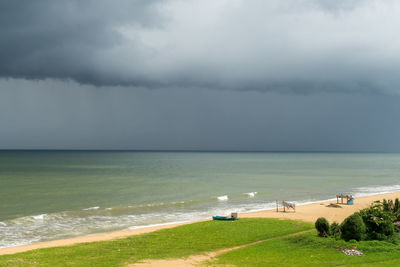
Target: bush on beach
(335, 230)
(393, 207)
(378, 221)
(322, 226)
(353, 227)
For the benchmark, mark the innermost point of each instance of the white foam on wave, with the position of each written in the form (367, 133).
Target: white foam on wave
(39, 217)
(251, 194)
(3, 224)
(155, 204)
(223, 198)
(93, 208)
(367, 191)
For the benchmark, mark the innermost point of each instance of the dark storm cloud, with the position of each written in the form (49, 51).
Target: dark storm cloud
(298, 46)
(63, 39)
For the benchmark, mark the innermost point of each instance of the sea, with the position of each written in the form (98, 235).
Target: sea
(49, 195)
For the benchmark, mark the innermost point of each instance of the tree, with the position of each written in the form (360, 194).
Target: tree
(353, 227)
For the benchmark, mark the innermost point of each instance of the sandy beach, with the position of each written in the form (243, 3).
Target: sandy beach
(308, 213)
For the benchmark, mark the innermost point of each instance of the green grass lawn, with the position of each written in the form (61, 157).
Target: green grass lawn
(310, 250)
(176, 242)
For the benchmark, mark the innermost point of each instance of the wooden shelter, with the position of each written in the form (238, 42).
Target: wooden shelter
(286, 205)
(342, 197)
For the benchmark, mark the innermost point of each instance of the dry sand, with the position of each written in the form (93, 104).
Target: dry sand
(311, 212)
(307, 213)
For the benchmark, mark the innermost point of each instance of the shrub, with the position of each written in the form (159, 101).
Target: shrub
(378, 221)
(396, 204)
(390, 206)
(387, 205)
(396, 209)
(322, 226)
(353, 227)
(335, 230)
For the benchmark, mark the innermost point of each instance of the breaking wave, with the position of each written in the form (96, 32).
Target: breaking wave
(93, 208)
(367, 191)
(223, 198)
(251, 194)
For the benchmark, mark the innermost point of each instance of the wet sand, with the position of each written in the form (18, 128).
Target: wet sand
(308, 213)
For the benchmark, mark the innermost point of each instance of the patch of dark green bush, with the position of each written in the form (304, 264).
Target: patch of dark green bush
(378, 221)
(335, 230)
(322, 226)
(393, 207)
(353, 227)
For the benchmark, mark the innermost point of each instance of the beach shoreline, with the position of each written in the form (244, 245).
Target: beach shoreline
(306, 212)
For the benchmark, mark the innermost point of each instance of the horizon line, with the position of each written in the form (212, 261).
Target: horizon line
(196, 150)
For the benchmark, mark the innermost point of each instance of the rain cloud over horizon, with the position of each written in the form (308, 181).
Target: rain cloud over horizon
(300, 46)
(276, 75)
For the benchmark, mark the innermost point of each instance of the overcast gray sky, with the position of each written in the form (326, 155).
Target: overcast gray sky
(316, 75)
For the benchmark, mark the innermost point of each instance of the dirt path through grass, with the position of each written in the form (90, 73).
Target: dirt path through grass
(198, 260)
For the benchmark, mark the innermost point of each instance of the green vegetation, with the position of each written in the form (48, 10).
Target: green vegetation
(393, 207)
(379, 223)
(353, 227)
(322, 226)
(176, 242)
(310, 250)
(335, 230)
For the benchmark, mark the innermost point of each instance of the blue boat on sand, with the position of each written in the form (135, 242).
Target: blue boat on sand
(226, 218)
(223, 218)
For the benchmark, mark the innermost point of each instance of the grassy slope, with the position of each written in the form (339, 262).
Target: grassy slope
(169, 243)
(310, 250)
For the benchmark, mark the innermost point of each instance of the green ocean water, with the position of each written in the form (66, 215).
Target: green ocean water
(47, 195)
